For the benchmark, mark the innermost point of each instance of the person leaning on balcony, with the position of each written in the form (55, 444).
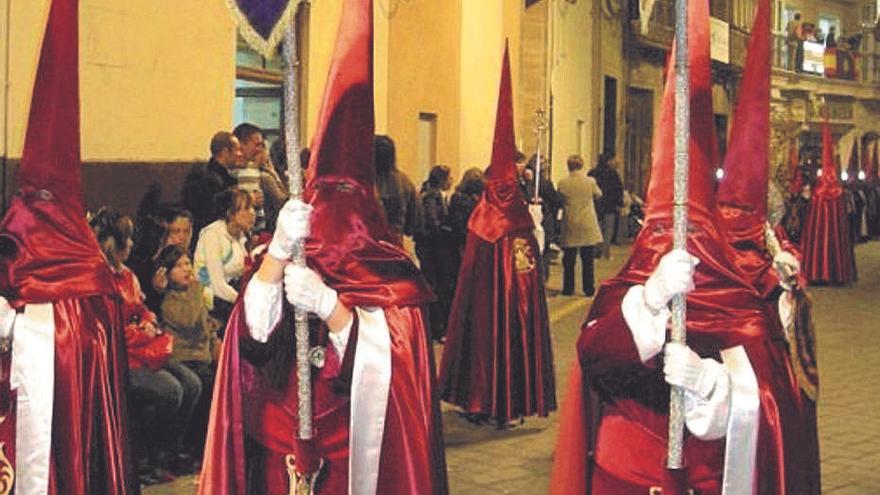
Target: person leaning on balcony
(794, 31)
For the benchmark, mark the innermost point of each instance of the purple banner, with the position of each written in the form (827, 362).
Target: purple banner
(263, 22)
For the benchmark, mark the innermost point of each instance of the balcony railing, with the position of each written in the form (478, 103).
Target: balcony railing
(840, 64)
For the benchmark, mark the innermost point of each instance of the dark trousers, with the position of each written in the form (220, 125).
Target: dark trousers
(569, 257)
(439, 262)
(194, 439)
(162, 405)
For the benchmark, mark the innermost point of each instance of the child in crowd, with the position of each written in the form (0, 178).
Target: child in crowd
(196, 345)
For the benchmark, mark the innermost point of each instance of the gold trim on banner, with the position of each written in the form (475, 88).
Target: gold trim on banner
(265, 47)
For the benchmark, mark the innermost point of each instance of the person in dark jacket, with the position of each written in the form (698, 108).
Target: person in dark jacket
(612, 198)
(434, 246)
(204, 183)
(397, 194)
(465, 198)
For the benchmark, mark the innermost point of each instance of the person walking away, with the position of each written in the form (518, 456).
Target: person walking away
(580, 228)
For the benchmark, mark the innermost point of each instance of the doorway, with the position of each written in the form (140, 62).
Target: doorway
(639, 133)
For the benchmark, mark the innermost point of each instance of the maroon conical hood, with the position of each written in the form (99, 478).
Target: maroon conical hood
(746, 166)
(828, 185)
(724, 308)
(351, 243)
(343, 142)
(48, 250)
(51, 156)
(502, 210)
(703, 146)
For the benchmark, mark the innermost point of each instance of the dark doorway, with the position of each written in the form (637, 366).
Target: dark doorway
(609, 136)
(639, 132)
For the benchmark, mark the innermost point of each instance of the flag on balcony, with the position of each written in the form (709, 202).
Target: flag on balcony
(262, 23)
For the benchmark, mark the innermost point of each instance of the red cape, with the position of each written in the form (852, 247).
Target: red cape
(828, 250)
(498, 357)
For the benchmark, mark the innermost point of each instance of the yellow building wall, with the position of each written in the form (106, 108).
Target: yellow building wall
(573, 85)
(153, 87)
(423, 78)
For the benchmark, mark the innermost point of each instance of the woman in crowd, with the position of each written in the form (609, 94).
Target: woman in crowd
(434, 246)
(221, 250)
(580, 228)
(163, 394)
(196, 345)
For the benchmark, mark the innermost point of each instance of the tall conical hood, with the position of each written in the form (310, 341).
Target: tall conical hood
(703, 146)
(828, 186)
(742, 194)
(724, 308)
(47, 250)
(342, 147)
(502, 210)
(746, 165)
(51, 156)
(351, 243)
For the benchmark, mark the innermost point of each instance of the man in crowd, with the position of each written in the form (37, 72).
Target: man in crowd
(203, 183)
(608, 205)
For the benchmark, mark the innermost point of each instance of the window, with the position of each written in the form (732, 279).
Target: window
(259, 83)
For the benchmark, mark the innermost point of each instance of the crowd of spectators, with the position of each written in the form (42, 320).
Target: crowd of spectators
(179, 265)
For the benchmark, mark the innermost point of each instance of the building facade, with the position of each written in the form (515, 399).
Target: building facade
(160, 77)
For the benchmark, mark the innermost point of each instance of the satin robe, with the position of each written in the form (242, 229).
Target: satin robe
(498, 358)
(253, 419)
(826, 243)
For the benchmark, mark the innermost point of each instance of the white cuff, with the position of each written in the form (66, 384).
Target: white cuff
(648, 327)
(340, 339)
(262, 307)
(706, 417)
(786, 313)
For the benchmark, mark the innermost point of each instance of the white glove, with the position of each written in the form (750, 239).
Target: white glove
(292, 227)
(674, 275)
(305, 290)
(7, 318)
(684, 368)
(787, 267)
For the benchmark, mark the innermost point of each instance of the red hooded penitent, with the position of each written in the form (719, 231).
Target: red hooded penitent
(353, 248)
(722, 312)
(826, 242)
(498, 360)
(49, 255)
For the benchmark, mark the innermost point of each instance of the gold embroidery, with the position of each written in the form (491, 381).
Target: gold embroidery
(523, 256)
(7, 471)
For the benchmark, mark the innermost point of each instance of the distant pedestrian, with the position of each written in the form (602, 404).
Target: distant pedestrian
(608, 205)
(580, 232)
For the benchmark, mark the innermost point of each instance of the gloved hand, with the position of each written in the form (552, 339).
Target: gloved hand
(674, 275)
(7, 317)
(292, 226)
(787, 267)
(305, 290)
(684, 368)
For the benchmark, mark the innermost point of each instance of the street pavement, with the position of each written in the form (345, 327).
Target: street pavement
(484, 460)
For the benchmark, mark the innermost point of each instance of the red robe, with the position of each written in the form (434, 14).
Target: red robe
(617, 405)
(253, 420)
(52, 257)
(498, 358)
(828, 250)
